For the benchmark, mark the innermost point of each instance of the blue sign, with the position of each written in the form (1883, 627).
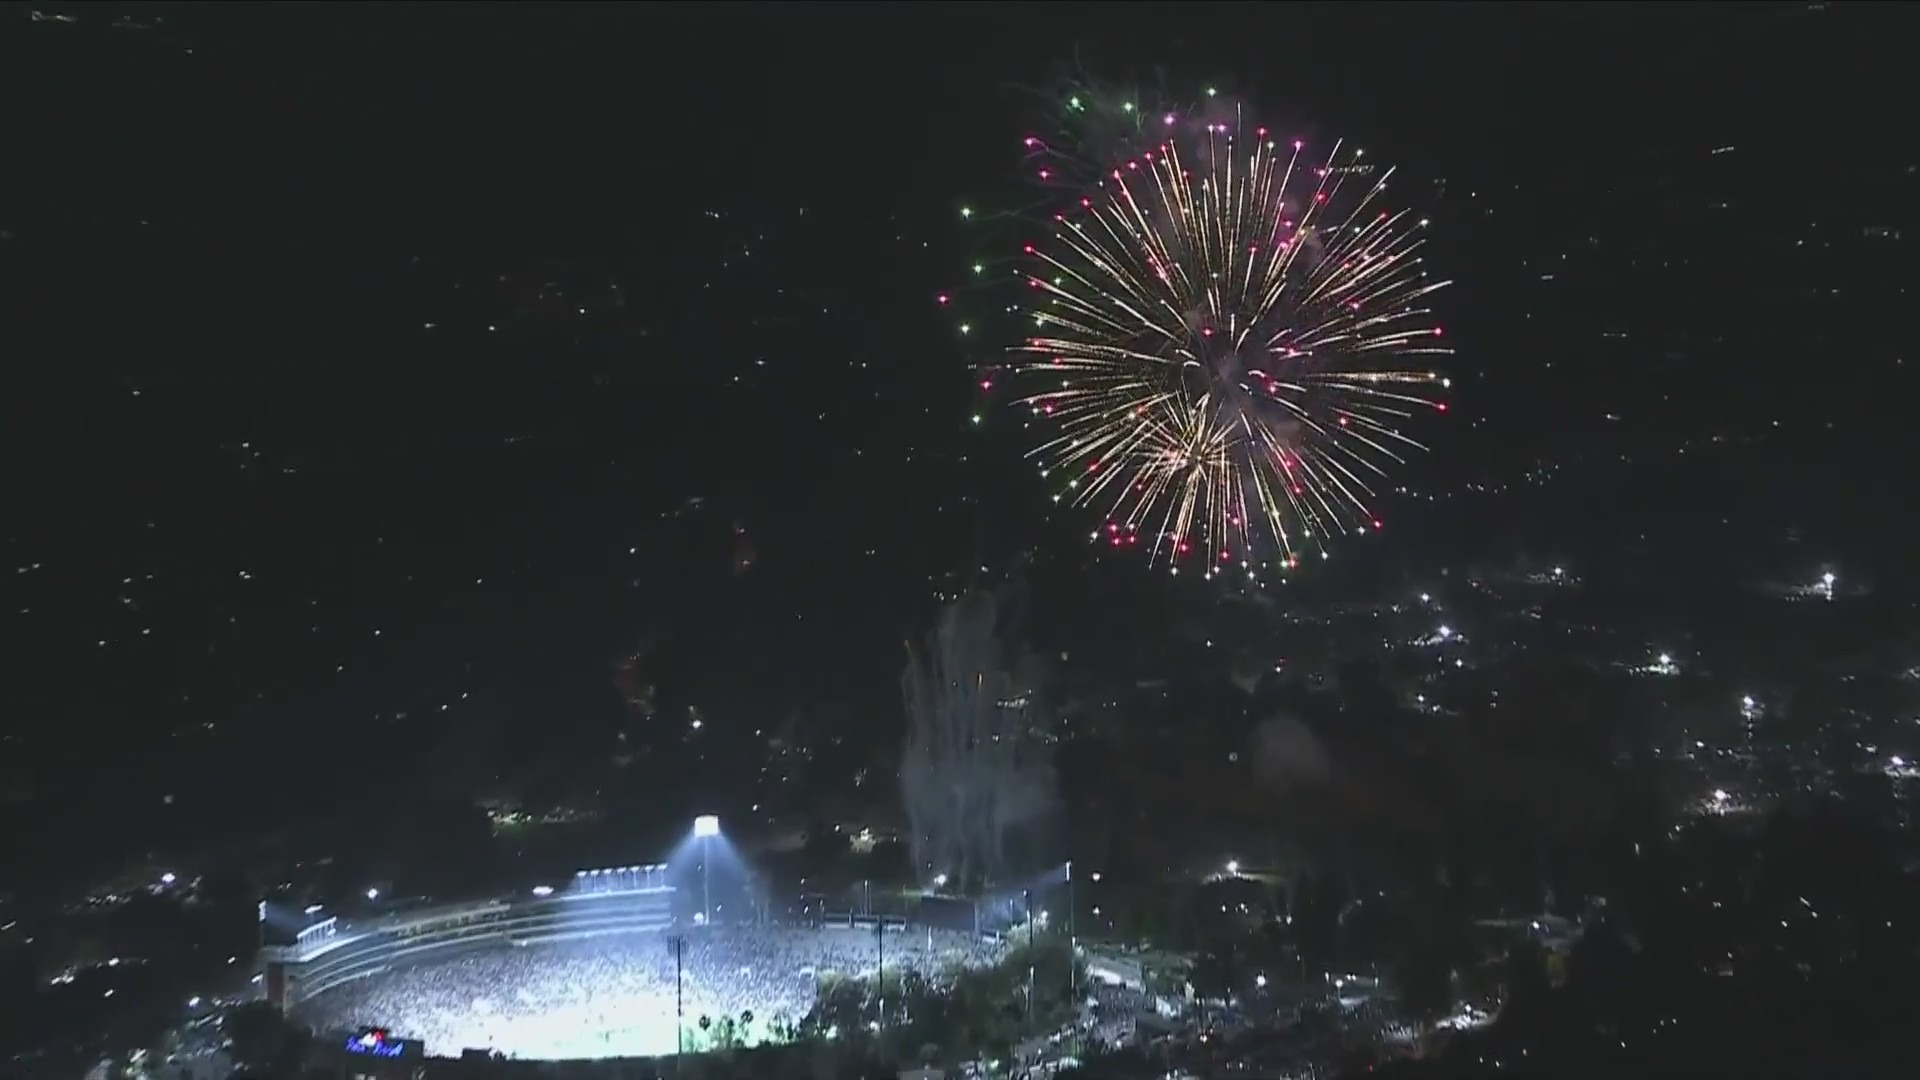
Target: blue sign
(375, 1044)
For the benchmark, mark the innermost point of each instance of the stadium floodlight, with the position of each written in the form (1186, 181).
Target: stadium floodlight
(706, 825)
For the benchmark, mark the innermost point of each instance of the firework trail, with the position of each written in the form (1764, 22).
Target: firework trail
(1230, 334)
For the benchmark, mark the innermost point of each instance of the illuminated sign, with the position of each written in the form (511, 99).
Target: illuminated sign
(375, 1043)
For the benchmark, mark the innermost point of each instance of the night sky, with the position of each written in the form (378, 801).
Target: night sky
(379, 377)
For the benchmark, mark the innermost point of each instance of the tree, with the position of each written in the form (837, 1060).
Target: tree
(264, 1042)
(726, 1035)
(976, 771)
(1424, 972)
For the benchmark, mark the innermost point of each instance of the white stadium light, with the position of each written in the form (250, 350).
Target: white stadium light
(706, 825)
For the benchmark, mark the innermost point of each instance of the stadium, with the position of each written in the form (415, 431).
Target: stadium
(602, 969)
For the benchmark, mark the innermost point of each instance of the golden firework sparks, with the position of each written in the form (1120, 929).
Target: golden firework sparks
(1231, 337)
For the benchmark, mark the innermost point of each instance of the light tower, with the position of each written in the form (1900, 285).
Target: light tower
(679, 946)
(1029, 895)
(1073, 940)
(705, 828)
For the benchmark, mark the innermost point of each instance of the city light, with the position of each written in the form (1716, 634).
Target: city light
(706, 825)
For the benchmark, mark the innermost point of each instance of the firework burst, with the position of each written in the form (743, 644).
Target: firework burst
(1232, 334)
